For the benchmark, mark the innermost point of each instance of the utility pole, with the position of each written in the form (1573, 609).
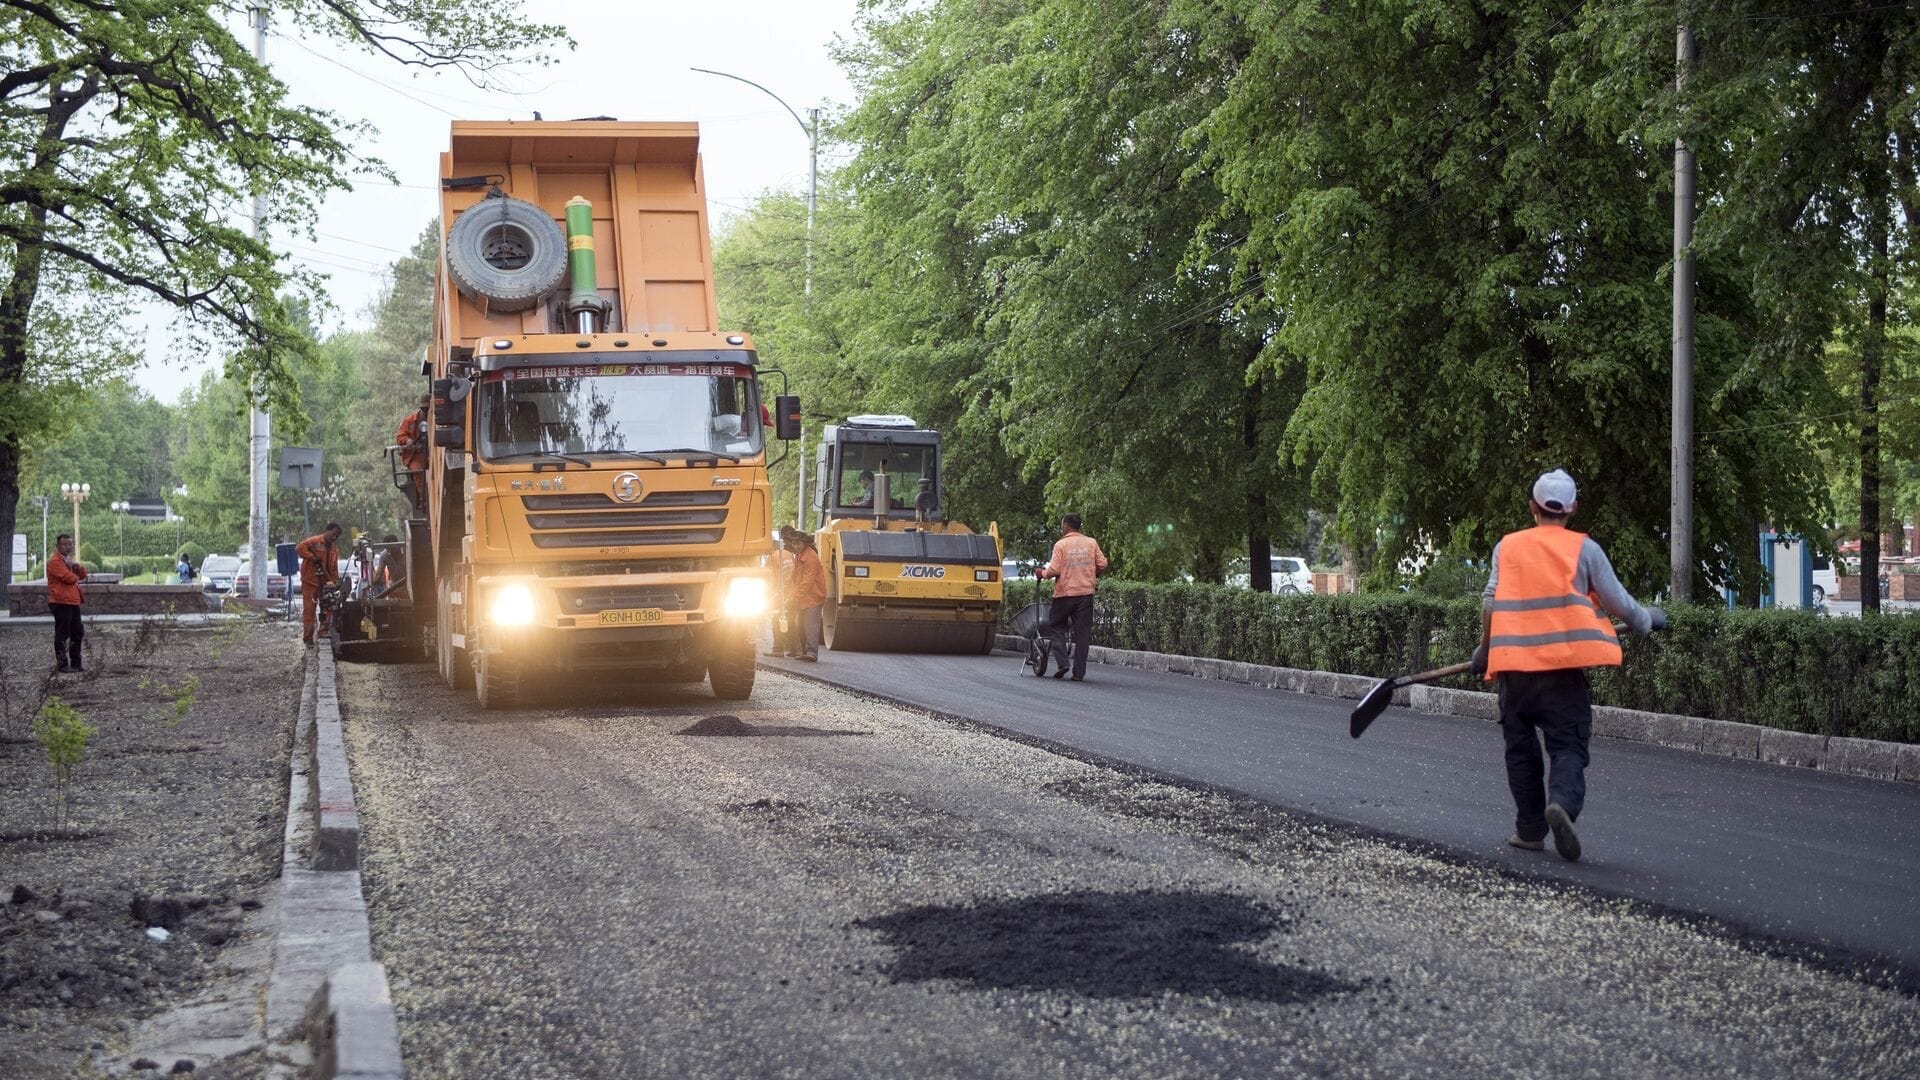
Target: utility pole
(1680, 526)
(812, 130)
(813, 179)
(260, 424)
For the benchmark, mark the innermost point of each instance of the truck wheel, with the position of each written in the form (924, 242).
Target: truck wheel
(507, 252)
(498, 681)
(454, 667)
(730, 668)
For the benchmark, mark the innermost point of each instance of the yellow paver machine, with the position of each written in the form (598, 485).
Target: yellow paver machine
(900, 578)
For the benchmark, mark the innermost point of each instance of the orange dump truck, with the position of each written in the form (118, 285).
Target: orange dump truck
(595, 498)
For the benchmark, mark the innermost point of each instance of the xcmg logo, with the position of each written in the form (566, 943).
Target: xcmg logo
(923, 571)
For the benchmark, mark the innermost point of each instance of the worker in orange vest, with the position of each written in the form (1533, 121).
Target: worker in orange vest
(318, 569)
(64, 600)
(411, 440)
(1545, 620)
(807, 590)
(1074, 565)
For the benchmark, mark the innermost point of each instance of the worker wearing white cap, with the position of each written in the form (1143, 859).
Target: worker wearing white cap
(1547, 615)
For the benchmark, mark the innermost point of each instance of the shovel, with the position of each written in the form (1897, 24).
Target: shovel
(1381, 696)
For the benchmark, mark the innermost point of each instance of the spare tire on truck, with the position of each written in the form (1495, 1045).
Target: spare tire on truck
(506, 252)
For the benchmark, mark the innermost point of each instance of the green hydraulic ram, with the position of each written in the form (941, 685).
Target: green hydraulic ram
(584, 302)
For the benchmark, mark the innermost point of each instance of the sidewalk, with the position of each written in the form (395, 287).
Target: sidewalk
(195, 618)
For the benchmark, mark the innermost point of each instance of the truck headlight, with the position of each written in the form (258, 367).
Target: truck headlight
(512, 605)
(746, 597)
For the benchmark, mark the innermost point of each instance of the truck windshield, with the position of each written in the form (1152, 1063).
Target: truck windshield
(623, 409)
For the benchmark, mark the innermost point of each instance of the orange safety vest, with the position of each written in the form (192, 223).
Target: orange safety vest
(1539, 622)
(412, 442)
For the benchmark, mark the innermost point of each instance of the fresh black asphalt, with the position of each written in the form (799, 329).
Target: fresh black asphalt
(1789, 853)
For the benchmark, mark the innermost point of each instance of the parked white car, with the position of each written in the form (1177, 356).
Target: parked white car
(1291, 576)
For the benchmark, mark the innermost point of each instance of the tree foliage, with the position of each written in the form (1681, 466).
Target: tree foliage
(1217, 264)
(133, 135)
(194, 453)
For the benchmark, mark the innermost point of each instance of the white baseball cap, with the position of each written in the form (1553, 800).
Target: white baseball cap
(1555, 492)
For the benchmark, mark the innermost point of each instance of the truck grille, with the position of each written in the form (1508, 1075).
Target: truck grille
(598, 520)
(664, 597)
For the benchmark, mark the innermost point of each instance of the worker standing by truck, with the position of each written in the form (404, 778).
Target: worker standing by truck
(319, 567)
(808, 592)
(411, 440)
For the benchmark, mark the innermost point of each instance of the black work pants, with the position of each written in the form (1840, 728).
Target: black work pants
(1551, 707)
(68, 633)
(1075, 614)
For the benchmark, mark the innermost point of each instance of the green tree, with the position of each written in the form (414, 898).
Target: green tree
(1046, 257)
(129, 134)
(355, 395)
(210, 456)
(1809, 144)
(1465, 255)
(121, 448)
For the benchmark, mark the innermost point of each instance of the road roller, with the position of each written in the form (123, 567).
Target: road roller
(900, 577)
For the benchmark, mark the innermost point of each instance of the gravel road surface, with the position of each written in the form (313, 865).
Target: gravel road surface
(826, 886)
(1792, 853)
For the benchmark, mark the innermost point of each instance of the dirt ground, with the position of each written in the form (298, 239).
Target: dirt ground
(174, 822)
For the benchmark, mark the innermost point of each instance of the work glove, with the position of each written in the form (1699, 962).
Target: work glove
(1478, 665)
(1659, 619)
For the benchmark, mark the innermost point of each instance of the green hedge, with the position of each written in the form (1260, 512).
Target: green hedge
(1794, 670)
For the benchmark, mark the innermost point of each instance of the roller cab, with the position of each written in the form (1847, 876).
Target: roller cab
(900, 577)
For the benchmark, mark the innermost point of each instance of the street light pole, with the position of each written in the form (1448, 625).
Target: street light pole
(812, 131)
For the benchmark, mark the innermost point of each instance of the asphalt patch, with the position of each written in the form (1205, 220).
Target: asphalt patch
(729, 725)
(1103, 945)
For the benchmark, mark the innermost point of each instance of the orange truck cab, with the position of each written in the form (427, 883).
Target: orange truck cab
(596, 486)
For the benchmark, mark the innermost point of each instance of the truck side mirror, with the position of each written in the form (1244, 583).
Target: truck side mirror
(449, 417)
(786, 416)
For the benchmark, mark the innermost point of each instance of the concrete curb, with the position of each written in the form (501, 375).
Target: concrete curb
(329, 1013)
(336, 841)
(352, 1027)
(1726, 738)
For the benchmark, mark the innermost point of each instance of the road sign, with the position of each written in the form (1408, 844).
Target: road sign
(19, 553)
(300, 467)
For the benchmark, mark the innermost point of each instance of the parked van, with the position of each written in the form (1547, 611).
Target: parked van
(1826, 581)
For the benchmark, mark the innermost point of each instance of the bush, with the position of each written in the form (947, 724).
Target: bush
(1788, 669)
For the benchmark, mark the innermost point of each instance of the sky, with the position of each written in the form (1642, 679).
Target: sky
(632, 62)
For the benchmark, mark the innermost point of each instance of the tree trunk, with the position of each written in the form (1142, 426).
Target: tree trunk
(23, 288)
(9, 499)
(1259, 542)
